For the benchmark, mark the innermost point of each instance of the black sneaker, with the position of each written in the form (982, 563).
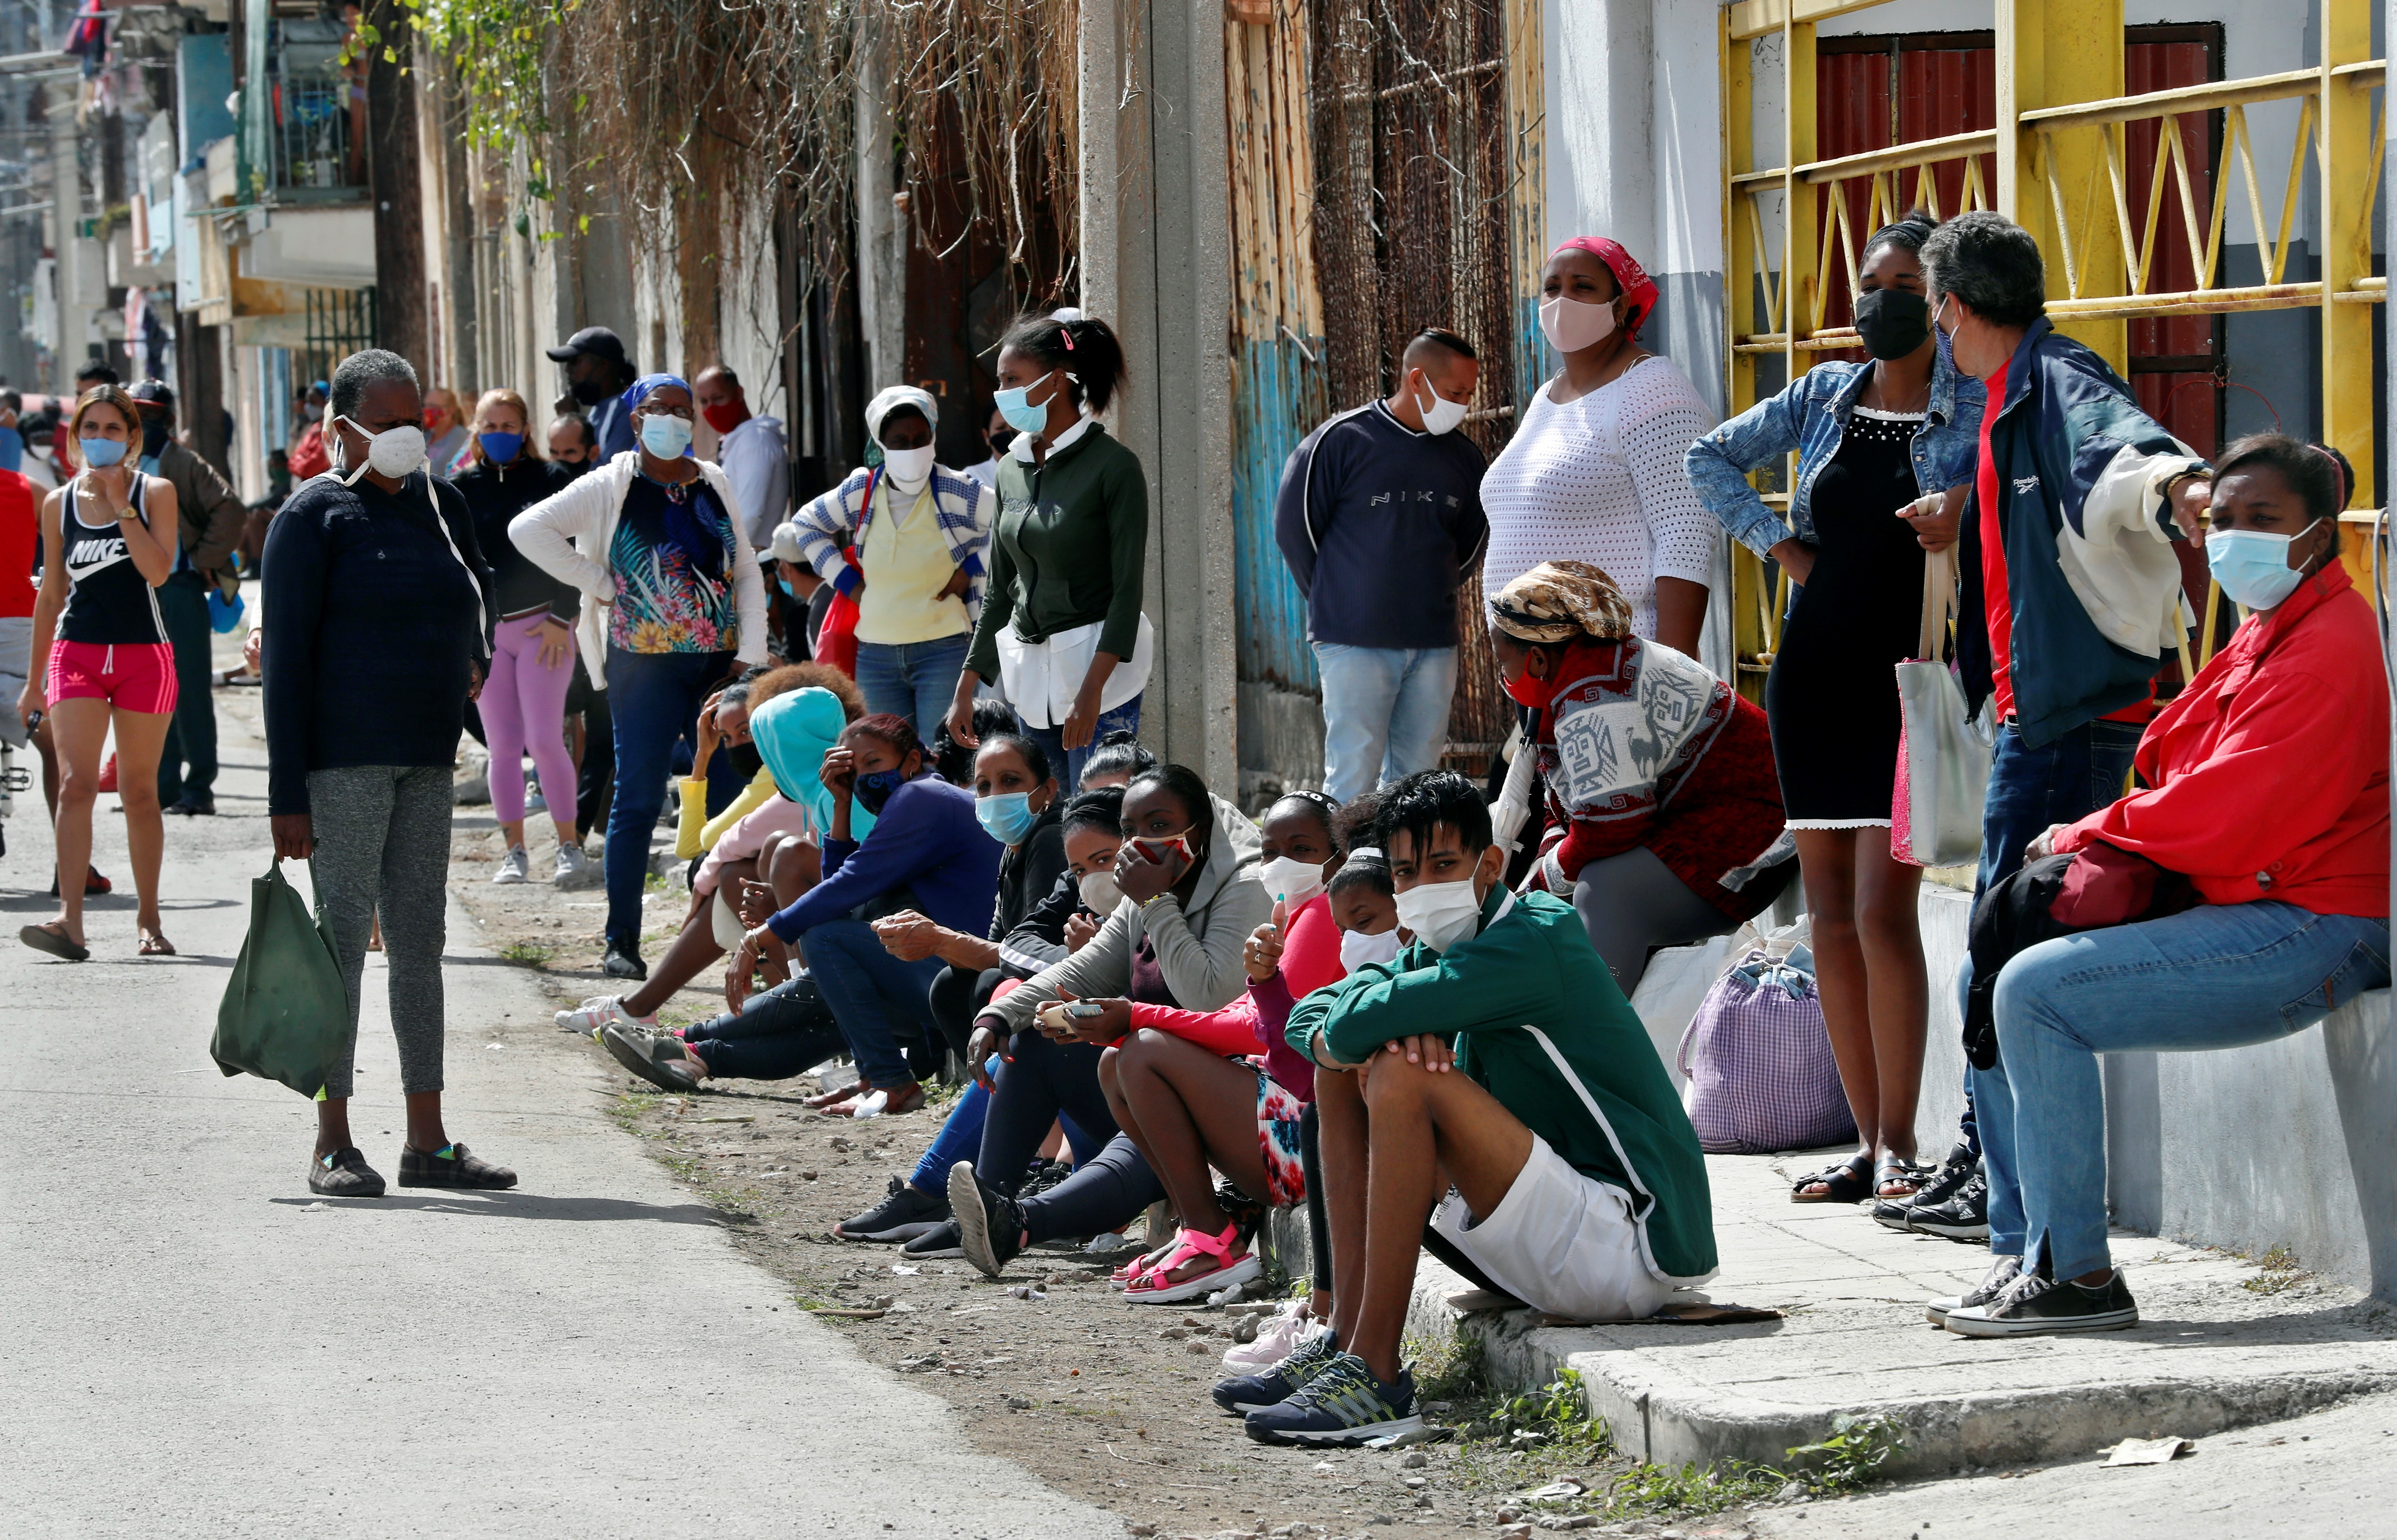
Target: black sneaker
(2002, 1271)
(1245, 1393)
(905, 1212)
(454, 1167)
(1953, 1173)
(2033, 1305)
(1344, 1405)
(624, 963)
(1964, 1217)
(344, 1174)
(1043, 1175)
(938, 1242)
(990, 1227)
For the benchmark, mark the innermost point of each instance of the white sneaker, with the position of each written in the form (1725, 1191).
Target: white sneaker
(2002, 1271)
(1277, 1338)
(573, 866)
(585, 1020)
(513, 867)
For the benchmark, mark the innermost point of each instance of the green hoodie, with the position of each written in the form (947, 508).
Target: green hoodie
(1538, 1023)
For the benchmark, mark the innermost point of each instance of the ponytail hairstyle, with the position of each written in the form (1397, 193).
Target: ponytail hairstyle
(1908, 232)
(1084, 346)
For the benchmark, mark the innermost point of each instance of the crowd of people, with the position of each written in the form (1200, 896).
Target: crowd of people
(899, 725)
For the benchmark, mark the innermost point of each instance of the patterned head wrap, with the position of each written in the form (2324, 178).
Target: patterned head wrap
(1559, 600)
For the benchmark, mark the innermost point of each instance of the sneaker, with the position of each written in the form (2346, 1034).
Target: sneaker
(1964, 1217)
(1344, 1404)
(1043, 1175)
(1277, 1337)
(2002, 1271)
(515, 867)
(905, 1212)
(2033, 1305)
(1245, 1393)
(344, 1174)
(1949, 1180)
(659, 1060)
(938, 1242)
(623, 962)
(585, 1020)
(990, 1227)
(573, 867)
(453, 1166)
(93, 883)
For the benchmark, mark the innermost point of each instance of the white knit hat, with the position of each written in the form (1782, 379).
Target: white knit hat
(889, 399)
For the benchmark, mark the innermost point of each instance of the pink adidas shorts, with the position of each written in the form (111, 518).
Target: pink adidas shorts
(128, 675)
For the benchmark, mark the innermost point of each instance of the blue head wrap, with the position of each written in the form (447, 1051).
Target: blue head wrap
(639, 390)
(708, 549)
(792, 733)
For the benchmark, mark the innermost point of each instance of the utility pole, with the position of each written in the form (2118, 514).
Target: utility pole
(400, 319)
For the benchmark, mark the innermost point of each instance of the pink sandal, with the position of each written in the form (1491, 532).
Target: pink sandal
(1150, 1287)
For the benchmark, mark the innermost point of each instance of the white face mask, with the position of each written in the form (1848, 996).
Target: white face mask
(1441, 914)
(1100, 894)
(1440, 415)
(398, 453)
(1294, 882)
(908, 469)
(1358, 950)
(1573, 325)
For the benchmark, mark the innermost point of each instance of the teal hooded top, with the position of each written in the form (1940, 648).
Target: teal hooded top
(792, 733)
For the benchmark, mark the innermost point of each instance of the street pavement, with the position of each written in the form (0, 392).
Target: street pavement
(191, 1345)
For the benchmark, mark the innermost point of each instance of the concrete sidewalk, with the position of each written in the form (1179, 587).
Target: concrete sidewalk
(2210, 1354)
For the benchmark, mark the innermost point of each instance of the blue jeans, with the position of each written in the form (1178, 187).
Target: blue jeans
(654, 700)
(2217, 976)
(1384, 712)
(916, 680)
(2030, 789)
(960, 1137)
(1068, 763)
(778, 1033)
(865, 984)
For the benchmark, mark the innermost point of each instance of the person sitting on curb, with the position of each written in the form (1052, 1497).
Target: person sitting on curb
(1579, 1186)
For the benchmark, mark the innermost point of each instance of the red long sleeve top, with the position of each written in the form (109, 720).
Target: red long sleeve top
(1254, 1022)
(2268, 775)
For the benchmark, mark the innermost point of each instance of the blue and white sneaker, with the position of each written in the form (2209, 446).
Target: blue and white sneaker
(1247, 1393)
(1344, 1404)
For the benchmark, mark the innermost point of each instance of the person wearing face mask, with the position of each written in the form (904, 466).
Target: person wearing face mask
(308, 454)
(2264, 788)
(927, 852)
(920, 533)
(1885, 455)
(447, 441)
(376, 632)
(1063, 633)
(673, 606)
(1593, 470)
(207, 528)
(1665, 824)
(1379, 517)
(750, 449)
(598, 374)
(998, 434)
(573, 447)
(1495, 1054)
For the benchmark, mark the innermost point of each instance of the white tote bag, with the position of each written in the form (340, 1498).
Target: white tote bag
(1943, 763)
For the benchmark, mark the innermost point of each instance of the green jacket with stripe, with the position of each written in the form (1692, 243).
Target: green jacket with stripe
(1537, 1021)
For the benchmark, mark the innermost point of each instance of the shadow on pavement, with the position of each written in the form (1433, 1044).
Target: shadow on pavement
(525, 1205)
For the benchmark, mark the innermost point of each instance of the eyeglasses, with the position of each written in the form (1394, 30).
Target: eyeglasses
(658, 408)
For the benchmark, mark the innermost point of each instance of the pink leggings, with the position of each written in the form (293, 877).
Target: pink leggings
(523, 698)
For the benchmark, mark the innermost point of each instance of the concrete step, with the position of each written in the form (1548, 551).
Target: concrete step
(2210, 1354)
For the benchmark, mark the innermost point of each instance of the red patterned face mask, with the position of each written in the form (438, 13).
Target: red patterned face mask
(1525, 690)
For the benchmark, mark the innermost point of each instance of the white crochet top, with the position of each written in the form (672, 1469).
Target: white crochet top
(1599, 479)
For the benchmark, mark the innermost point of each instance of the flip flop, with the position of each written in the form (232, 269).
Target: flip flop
(1845, 1183)
(155, 944)
(43, 938)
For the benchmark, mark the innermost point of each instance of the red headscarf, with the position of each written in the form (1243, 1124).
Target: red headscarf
(1631, 278)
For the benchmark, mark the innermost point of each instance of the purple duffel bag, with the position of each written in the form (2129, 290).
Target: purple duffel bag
(1759, 1062)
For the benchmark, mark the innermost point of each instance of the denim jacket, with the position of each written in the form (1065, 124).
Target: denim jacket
(1811, 417)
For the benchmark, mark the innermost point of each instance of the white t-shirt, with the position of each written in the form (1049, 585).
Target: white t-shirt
(1599, 479)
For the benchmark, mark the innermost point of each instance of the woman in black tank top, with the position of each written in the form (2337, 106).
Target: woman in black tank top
(109, 538)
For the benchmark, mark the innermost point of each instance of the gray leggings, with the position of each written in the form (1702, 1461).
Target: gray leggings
(1633, 903)
(382, 843)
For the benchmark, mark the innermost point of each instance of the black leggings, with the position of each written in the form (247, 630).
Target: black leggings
(957, 995)
(1045, 1079)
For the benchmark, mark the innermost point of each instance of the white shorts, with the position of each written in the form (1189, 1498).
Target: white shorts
(16, 655)
(1559, 1242)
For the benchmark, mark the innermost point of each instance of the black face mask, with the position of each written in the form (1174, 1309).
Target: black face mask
(1893, 322)
(745, 759)
(154, 435)
(590, 391)
(1000, 438)
(574, 467)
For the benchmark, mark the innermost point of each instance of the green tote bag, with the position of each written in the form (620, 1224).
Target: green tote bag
(285, 1016)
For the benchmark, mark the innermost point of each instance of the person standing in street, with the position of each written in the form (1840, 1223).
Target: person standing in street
(572, 446)
(674, 607)
(597, 374)
(108, 541)
(751, 450)
(210, 519)
(445, 441)
(1380, 518)
(307, 456)
(376, 634)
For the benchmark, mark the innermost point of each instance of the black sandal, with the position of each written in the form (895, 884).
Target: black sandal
(1896, 1173)
(1849, 1182)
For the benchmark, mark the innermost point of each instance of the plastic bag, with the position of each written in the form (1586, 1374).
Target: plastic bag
(285, 1016)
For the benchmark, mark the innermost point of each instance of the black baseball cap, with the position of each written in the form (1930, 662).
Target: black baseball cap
(592, 340)
(154, 391)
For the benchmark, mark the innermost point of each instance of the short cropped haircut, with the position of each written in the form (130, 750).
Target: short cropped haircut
(354, 375)
(1989, 262)
(1427, 799)
(1440, 337)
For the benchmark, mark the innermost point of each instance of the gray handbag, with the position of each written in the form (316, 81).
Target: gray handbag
(1943, 762)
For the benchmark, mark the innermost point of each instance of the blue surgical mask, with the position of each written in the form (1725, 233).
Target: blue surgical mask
(784, 584)
(501, 448)
(100, 453)
(873, 789)
(1006, 817)
(1017, 406)
(665, 436)
(2253, 567)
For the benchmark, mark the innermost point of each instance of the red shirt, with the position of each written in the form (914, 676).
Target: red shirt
(21, 540)
(1254, 1023)
(2271, 770)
